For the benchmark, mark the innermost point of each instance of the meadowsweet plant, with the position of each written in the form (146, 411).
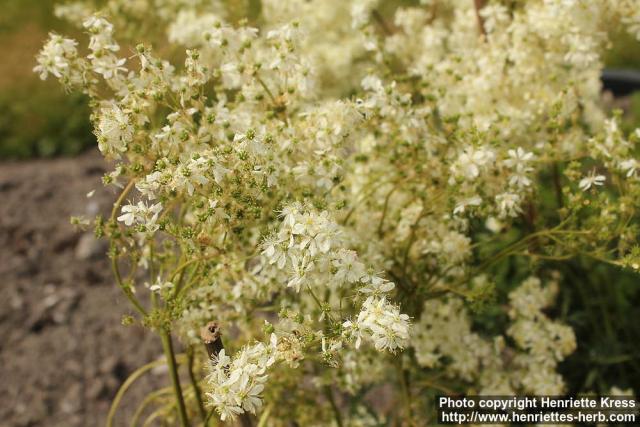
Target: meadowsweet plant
(333, 183)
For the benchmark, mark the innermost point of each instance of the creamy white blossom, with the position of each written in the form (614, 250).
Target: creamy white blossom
(591, 180)
(234, 385)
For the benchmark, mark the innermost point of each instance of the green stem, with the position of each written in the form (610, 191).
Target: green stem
(386, 29)
(146, 402)
(125, 288)
(384, 210)
(114, 259)
(557, 185)
(125, 386)
(334, 406)
(208, 418)
(266, 89)
(152, 417)
(318, 303)
(194, 383)
(118, 202)
(515, 247)
(406, 393)
(264, 417)
(167, 346)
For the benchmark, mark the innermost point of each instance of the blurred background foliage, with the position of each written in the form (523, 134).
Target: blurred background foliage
(602, 303)
(599, 301)
(37, 119)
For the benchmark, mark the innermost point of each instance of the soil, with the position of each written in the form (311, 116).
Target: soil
(63, 350)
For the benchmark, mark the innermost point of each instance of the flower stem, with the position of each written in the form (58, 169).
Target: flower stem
(167, 346)
(406, 391)
(146, 402)
(125, 288)
(114, 258)
(334, 406)
(125, 386)
(194, 382)
(478, 5)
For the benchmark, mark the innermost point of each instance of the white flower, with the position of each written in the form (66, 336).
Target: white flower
(530, 298)
(192, 174)
(159, 286)
(129, 214)
(108, 65)
(493, 224)
(461, 206)
(56, 56)
(348, 268)
(494, 16)
(472, 161)
(508, 205)
(381, 323)
(103, 46)
(591, 180)
(289, 214)
(582, 49)
(114, 130)
(75, 12)
(455, 246)
(141, 214)
(272, 250)
(234, 385)
(360, 11)
(376, 286)
(315, 232)
(300, 266)
(519, 161)
(631, 166)
(189, 27)
(354, 330)
(231, 77)
(372, 83)
(101, 32)
(632, 20)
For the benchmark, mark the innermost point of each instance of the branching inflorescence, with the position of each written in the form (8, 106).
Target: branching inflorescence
(333, 185)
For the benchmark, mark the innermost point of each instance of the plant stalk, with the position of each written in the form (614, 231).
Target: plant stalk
(167, 346)
(196, 387)
(478, 5)
(334, 406)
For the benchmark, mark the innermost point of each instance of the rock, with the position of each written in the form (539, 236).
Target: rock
(55, 307)
(89, 247)
(96, 389)
(73, 368)
(108, 364)
(59, 329)
(66, 304)
(93, 208)
(39, 318)
(71, 402)
(16, 301)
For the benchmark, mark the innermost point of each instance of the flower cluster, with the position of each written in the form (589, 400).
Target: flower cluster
(311, 247)
(56, 56)
(444, 338)
(235, 384)
(382, 323)
(352, 178)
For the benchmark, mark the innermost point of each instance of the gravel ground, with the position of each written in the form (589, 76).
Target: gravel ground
(63, 352)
